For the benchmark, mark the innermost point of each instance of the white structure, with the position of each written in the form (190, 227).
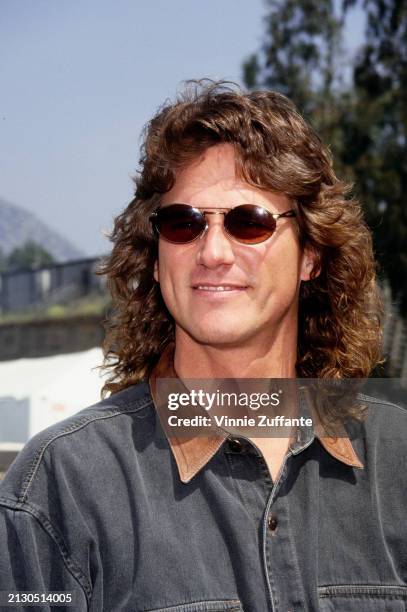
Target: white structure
(36, 393)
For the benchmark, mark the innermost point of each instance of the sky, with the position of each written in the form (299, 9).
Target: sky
(80, 78)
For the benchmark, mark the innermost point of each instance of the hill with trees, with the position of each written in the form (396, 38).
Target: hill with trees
(19, 228)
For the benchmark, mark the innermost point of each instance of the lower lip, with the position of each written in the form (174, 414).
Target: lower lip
(220, 294)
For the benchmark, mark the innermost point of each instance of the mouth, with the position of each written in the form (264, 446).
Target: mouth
(219, 288)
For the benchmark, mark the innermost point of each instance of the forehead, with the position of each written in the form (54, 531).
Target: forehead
(212, 179)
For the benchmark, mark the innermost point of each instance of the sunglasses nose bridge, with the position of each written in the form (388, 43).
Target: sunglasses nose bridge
(215, 247)
(214, 213)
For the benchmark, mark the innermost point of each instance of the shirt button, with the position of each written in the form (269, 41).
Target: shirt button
(272, 522)
(235, 445)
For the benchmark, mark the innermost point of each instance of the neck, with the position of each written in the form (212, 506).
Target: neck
(271, 357)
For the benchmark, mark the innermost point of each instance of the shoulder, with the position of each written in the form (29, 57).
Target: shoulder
(383, 418)
(381, 438)
(84, 437)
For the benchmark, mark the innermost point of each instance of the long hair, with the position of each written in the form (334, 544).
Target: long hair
(339, 309)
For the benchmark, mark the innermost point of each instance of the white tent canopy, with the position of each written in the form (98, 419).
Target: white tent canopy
(46, 390)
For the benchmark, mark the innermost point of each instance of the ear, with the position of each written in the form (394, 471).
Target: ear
(310, 264)
(156, 274)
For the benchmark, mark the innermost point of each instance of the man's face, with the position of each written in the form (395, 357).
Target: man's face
(260, 282)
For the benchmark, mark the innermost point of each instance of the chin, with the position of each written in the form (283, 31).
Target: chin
(218, 336)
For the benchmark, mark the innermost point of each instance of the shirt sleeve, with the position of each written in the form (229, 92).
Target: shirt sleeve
(31, 560)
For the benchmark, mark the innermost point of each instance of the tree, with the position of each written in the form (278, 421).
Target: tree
(300, 56)
(3, 261)
(380, 122)
(364, 121)
(30, 255)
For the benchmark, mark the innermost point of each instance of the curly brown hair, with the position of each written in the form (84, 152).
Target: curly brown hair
(339, 330)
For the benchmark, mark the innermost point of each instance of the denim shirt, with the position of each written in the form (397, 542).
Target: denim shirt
(95, 506)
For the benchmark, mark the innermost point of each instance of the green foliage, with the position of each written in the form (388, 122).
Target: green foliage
(363, 119)
(30, 255)
(92, 305)
(300, 53)
(380, 167)
(3, 261)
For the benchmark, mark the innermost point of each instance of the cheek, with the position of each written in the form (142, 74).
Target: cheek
(172, 265)
(280, 267)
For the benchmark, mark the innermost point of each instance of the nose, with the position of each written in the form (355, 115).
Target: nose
(215, 248)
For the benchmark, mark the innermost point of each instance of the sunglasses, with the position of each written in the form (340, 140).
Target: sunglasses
(246, 223)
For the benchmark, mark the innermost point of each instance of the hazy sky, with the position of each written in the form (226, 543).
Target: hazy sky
(79, 79)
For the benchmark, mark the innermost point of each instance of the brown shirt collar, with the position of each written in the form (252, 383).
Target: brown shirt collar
(192, 454)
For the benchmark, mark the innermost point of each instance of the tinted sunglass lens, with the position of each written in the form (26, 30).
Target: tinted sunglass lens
(179, 223)
(250, 224)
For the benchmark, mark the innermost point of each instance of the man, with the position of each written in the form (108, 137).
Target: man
(239, 258)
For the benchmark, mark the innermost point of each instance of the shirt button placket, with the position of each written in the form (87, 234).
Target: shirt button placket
(272, 523)
(235, 445)
(284, 581)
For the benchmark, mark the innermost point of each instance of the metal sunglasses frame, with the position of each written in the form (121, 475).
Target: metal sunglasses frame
(218, 211)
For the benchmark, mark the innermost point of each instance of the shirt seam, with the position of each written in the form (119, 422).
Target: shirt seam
(75, 426)
(73, 569)
(390, 591)
(362, 585)
(375, 400)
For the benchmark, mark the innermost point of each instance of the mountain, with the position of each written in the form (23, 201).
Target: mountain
(17, 226)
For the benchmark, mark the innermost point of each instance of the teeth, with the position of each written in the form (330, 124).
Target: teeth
(218, 288)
